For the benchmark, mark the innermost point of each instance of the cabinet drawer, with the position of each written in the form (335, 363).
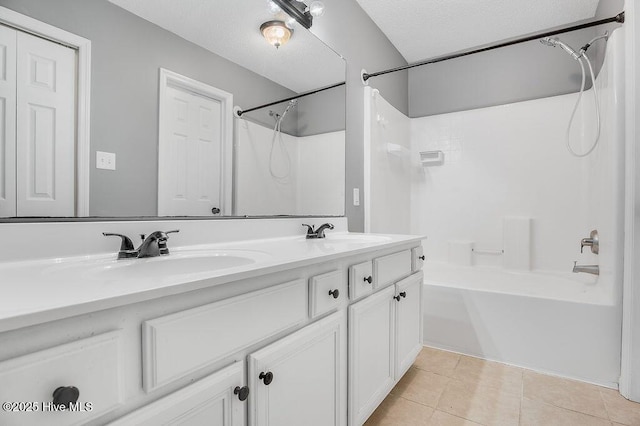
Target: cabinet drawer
(417, 258)
(326, 293)
(182, 343)
(390, 268)
(92, 365)
(360, 280)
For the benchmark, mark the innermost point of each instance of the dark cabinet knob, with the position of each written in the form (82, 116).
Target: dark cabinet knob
(421, 257)
(215, 210)
(402, 294)
(335, 293)
(65, 395)
(369, 279)
(267, 377)
(242, 392)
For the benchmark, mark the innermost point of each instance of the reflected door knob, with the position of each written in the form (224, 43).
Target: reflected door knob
(267, 377)
(335, 293)
(242, 392)
(65, 395)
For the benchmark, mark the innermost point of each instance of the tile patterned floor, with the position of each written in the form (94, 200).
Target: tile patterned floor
(447, 389)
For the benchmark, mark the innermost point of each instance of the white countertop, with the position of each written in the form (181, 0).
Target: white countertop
(37, 291)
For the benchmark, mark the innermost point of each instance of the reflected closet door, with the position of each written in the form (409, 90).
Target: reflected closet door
(7, 121)
(46, 75)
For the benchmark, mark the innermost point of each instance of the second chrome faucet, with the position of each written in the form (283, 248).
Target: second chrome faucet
(155, 244)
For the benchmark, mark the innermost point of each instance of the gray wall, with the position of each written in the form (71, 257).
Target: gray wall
(323, 112)
(127, 52)
(517, 73)
(349, 31)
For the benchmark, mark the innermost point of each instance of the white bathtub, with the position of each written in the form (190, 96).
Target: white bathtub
(567, 325)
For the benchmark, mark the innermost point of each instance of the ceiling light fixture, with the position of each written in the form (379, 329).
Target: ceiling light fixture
(276, 33)
(299, 11)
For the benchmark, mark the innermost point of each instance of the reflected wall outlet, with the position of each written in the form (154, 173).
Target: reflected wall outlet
(356, 196)
(105, 160)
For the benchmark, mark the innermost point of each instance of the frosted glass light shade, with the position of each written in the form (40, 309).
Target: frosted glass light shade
(316, 8)
(276, 33)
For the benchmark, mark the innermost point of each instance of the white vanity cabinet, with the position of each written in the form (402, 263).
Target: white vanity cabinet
(317, 342)
(371, 352)
(301, 379)
(408, 322)
(384, 340)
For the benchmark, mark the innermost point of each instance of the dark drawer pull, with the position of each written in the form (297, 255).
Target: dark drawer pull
(267, 377)
(65, 395)
(335, 293)
(242, 392)
(369, 279)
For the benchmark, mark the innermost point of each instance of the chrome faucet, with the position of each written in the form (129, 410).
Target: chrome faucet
(155, 244)
(589, 269)
(317, 233)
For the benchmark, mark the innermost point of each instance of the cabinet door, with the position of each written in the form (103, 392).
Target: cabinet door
(408, 322)
(371, 364)
(301, 379)
(212, 401)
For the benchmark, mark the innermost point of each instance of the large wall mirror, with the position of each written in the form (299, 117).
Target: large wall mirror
(165, 141)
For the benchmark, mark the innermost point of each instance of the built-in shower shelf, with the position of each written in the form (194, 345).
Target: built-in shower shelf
(432, 158)
(398, 150)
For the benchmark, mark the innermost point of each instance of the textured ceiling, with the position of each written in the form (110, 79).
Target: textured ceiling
(422, 29)
(231, 29)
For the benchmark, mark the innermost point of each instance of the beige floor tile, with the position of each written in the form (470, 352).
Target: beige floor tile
(477, 371)
(437, 361)
(481, 404)
(536, 413)
(564, 393)
(397, 411)
(440, 418)
(421, 386)
(620, 410)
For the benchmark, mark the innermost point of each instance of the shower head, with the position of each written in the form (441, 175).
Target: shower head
(553, 42)
(292, 104)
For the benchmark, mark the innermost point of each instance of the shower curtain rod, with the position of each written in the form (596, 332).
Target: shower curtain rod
(240, 111)
(547, 33)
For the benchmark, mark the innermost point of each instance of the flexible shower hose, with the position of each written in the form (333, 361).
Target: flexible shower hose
(277, 135)
(575, 108)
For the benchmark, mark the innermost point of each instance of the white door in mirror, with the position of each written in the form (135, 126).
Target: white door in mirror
(8, 118)
(37, 94)
(192, 155)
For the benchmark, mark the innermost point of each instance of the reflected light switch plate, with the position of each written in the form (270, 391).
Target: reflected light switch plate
(105, 160)
(356, 196)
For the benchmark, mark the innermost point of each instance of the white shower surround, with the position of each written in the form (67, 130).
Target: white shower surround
(511, 160)
(549, 319)
(314, 186)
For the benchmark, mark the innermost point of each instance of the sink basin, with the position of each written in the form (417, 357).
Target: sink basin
(176, 263)
(354, 238)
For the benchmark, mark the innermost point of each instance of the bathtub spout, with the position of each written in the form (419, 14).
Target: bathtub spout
(589, 269)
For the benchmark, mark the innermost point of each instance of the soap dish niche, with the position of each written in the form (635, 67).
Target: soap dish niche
(432, 158)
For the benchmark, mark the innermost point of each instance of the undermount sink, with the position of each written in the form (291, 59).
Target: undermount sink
(354, 238)
(176, 263)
